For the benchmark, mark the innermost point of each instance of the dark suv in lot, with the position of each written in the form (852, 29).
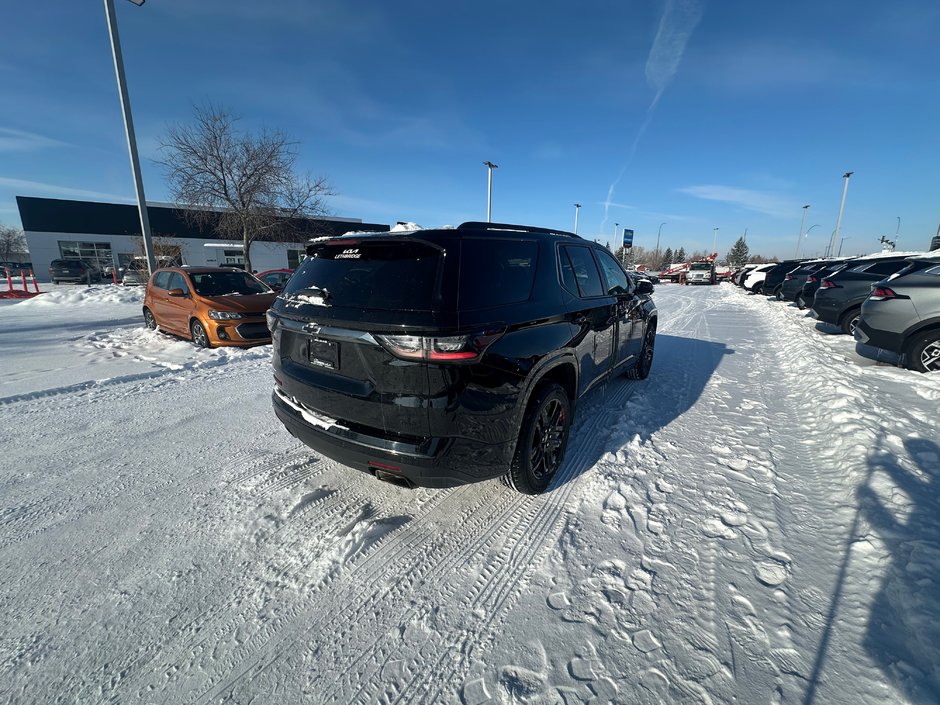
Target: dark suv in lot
(73, 270)
(442, 357)
(840, 295)
(902, 314)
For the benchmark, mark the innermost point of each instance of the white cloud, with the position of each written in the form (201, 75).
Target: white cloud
(37, 187)
(21, 141)
(758, 201)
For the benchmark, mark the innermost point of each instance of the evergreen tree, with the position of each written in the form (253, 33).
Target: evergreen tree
(667, 258)
(738, 255)
(680, 255)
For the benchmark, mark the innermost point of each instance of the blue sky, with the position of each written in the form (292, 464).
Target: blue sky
(697, 114)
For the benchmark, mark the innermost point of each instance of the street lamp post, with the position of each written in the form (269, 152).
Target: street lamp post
(715, 240)
(658, 233)
(129, 129)
(835, 233)
(799, 238)
(805, 236)
(616, 228)
(577, 208)
(841, 240)
(489, 190)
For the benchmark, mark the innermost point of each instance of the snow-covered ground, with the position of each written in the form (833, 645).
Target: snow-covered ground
(756, 523)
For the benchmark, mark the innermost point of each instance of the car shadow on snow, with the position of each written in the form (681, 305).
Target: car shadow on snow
(623, 409)
(899, 502)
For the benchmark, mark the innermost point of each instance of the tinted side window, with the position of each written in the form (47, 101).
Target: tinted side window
(162, 280)
(585, 271)
(568, 278)
(889, 267)
(495, 272)
(617, 282)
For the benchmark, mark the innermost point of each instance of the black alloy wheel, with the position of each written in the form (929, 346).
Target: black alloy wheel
(642, 368)
(542, 443)
(200, 337)
(924, 352)
(149, 320)
(756, 287)
(850, 321)
(778, 294)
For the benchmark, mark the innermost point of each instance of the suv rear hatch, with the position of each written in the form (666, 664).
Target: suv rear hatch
(329, 351)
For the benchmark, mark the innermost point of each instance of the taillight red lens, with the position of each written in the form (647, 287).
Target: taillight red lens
(880, 293)
(811, 280)
(789, 277)
(826, 284)
(453, 348)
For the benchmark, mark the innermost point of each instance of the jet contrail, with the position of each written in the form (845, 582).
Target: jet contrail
(678, 21)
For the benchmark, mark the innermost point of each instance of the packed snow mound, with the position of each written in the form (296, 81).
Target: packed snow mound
(88, 296)
(405, 227)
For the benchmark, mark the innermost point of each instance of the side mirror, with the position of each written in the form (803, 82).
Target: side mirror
(644, 287)
(176, 292)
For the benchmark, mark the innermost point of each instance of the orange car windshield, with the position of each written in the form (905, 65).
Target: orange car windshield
(227, 284)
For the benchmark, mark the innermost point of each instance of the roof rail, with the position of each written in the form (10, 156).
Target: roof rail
(506, 227)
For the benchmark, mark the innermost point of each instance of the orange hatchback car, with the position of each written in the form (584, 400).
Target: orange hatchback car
(211, 305)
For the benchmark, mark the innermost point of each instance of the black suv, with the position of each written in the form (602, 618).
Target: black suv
(73, 270)
(442, 357)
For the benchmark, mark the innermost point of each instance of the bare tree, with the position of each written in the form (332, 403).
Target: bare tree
(241, 185)
(12, 241)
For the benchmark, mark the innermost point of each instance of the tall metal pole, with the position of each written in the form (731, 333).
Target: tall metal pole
(489, 190)
(616, 228)
(799, 239)
(835, 233)
(129, 129)
(577, 208)
(715, 240)
(658, 233)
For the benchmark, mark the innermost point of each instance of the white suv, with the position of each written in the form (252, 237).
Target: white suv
(754, 280)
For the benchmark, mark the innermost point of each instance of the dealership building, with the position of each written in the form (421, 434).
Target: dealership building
(108, 234)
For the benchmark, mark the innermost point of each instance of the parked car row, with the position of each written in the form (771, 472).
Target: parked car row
(887, 301)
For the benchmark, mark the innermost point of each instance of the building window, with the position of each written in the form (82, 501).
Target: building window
(98, 253)
(295, 257)
(233, 258)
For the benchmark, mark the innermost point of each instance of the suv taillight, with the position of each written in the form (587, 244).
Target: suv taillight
(880, 293)
(452, 348)
(826, 284)
(811, 280)
(789, 277)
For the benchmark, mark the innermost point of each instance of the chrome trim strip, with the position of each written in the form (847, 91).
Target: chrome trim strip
(328, 332)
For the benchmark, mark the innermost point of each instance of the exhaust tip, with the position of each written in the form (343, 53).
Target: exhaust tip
(393, 479)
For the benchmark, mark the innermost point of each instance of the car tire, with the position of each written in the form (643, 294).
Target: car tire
(542, 441)
(756, 287)
(850, 320)
(778, 294)
(149, 319)
(641, 370)
(55, 282)
(923, 352)
(199, 335)
(800, 302)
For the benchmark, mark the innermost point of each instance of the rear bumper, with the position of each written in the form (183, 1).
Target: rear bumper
(884, 340)
(435, 462)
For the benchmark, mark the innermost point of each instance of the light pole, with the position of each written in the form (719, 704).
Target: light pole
(799, 238)
(616, 228)
(658, 233)
(715, 240)
(489, 190)
(841, 240)
(577, 208)
(835, 233)
(129, 129)
(805, 235)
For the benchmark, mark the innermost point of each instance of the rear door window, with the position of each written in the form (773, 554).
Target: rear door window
(400, 275)
(888, 267)
(496, 272)
(586, 276)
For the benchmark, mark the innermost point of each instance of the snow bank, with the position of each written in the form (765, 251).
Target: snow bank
(87, 296)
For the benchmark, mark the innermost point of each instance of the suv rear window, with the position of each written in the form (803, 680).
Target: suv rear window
(387, 275)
